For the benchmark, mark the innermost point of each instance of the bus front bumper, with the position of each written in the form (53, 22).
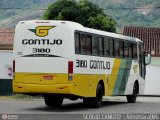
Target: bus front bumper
(42, 89)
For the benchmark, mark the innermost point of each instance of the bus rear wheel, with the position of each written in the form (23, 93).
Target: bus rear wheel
(53, 100)
(95, 102)
(132, 98)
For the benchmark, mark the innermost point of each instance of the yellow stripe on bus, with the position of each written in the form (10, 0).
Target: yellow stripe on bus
(113, 77)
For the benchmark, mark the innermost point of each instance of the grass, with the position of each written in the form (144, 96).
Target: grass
(17, 97)
(22, 96)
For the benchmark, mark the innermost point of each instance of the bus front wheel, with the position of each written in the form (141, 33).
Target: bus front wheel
(95, 102)
(53, 100)
(132, 98)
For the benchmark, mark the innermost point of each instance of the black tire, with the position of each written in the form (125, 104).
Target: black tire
(132, 98)
(53, 100)
(95, 102)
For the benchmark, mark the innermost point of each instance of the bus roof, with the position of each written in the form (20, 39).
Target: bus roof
(79, 27)
(114, 35)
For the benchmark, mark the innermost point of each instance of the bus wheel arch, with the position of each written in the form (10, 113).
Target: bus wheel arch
(132, 98)
(137, 83)
(96, 101)
(103, 87)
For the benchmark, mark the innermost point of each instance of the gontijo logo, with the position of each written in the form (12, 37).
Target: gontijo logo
(41, 31)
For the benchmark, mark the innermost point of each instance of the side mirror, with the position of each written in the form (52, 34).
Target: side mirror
(148, 59)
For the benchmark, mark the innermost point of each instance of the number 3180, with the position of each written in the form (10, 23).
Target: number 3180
(41, 50)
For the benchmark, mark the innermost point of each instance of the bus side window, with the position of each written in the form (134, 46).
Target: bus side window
(95, 45)
(121, 46)
(100, 46)
(77, 43)
(111, 48)
(130, 45)
(106, 47)
(88, 44)
(82, 44)
(116, 48)
(126, 50)
(135, 51)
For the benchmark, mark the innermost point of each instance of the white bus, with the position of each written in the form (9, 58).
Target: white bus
(62, 59)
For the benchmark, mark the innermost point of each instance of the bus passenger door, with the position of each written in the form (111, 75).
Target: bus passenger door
(142, 66)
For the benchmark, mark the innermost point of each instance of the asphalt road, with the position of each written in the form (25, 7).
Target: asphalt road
(75, 110)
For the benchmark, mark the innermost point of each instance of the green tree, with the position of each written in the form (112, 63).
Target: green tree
(102, 22)
(83, 12)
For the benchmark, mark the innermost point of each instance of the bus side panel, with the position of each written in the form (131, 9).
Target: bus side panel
(121, 78)
(142, 85)
(113, 76)
(130, 84)
(86, 84)
(133, 76)
(93, 82)
(88, 72)
(80, 82)
(124, 76)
